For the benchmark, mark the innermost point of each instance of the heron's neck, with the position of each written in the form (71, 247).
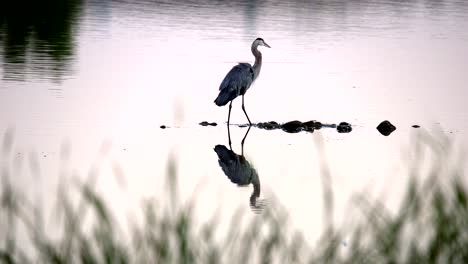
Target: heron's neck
(258, 60)
(255, 194)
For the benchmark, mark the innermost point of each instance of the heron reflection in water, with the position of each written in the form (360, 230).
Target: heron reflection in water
(240, 171)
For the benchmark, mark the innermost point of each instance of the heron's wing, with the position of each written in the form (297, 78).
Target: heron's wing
(233, 166)
(238, 79)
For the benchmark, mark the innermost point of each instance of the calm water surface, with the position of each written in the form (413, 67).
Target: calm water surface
(87, 90)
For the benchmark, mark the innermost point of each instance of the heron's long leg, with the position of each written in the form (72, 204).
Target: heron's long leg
(229, 133)
(229, 115)
(243, 108)
(243, 141)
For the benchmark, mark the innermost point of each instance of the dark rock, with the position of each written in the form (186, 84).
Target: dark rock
(268, 125)
(244, 125)
(317, 125)
(292, 126)
(309, 126)
(344, 127)
(310, 123)
(273, 123)
(204, 123)
(415, 126)
(308, 129)
(386, 128)
(163, 126)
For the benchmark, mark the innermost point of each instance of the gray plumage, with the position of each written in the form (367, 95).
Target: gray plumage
(238, 170)
(240, 78)
(236, 83)
(236, 167)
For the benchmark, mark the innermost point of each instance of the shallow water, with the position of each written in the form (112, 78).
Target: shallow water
(93, 92)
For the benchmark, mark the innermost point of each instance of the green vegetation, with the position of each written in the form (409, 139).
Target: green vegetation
(430, 226)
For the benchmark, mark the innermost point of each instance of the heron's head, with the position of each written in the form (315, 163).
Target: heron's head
(261, 42)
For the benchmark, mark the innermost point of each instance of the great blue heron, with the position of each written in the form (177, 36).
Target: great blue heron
(240, 171)
(240, 78)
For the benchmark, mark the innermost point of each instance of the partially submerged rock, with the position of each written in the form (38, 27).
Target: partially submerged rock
(344, 127)
(317, 125)
(163, 127)
(204, 123)
(415, 126)
(295, 126)
(386, 128)
(308, 128)
(268, 125)
(292, 126)
(311, 125)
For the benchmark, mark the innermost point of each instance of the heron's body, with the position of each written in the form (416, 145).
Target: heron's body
(236, 83)
(240, 78)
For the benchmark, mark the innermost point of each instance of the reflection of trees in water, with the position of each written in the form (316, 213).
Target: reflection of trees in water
(37, 37)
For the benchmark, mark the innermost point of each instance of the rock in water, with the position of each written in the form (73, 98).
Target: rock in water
(386, 128)
(268, 125)
(309, 126)
(205, 123)
(292, 126)
(344, 127)
(317, 125)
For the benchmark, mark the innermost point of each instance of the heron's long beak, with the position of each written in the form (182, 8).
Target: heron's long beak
(266, 45)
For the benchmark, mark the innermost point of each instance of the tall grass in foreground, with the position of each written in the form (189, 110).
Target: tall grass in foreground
(430, 226)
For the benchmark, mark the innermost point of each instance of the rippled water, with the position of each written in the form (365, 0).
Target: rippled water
(88, 84)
